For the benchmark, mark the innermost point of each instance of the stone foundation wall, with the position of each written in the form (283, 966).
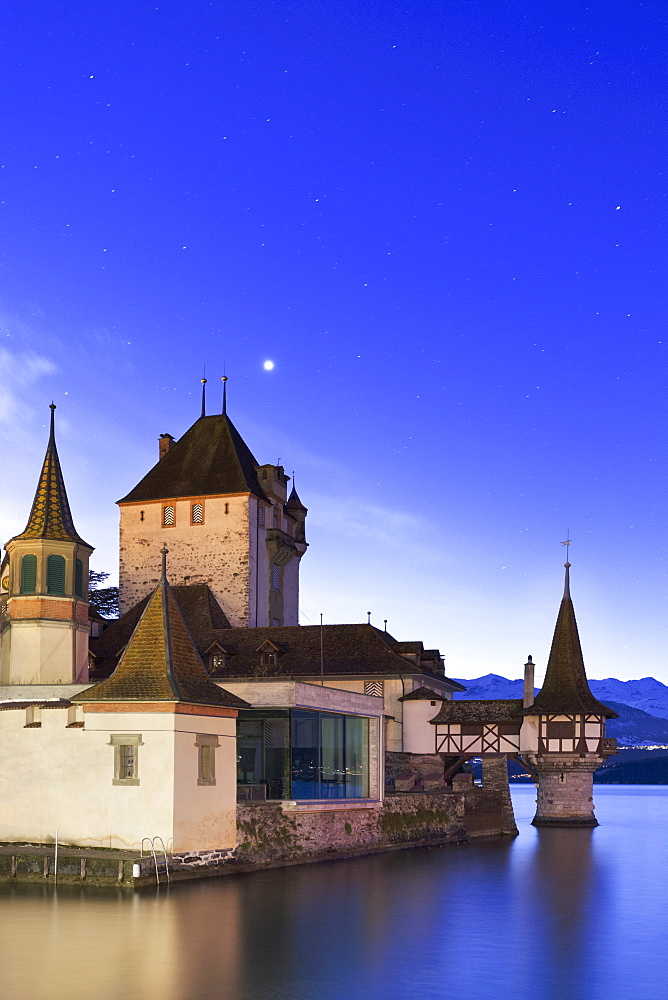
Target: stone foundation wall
(269, 833)
(565, 789)
(416, 772)
(495, 779)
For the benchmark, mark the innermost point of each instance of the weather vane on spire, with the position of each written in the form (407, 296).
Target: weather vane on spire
(567, 542)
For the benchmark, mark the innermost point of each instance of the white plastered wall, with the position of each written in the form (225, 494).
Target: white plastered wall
(419, 734)
(58, 778)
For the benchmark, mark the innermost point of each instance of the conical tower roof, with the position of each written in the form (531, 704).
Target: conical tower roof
(50, 516)
(160, 662)
(565, 690)
(294, 503)
(209, 460)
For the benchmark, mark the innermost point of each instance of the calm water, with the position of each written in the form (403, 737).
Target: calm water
(549, 915)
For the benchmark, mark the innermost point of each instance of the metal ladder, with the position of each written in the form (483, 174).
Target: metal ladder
(162, 867)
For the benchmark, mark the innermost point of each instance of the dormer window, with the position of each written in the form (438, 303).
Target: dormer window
(169, 516)
(217, 662)
(268, 659)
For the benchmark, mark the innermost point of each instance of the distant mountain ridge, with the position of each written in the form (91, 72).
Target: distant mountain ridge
(636, 725)
(646, 694)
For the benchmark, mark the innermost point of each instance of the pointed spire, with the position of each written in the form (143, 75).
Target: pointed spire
(50, 516)
(203, 381)
(224, 381)
(565, 690)
(161, 662)
(293, 502)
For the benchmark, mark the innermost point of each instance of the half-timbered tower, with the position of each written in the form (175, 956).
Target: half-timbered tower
(228, 522)
(563, 733)
(44, 590)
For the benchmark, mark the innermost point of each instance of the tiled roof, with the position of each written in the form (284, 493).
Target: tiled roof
(491, 711)
(565, 690)
(50, 516)
(210, 459)
(347, 649)
(161, 662)
(423, 694)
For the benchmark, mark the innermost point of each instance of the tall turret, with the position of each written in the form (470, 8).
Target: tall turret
(44, 622)
(563, 736)
(226, 520)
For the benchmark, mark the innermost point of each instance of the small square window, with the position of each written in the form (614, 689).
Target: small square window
(126, 758)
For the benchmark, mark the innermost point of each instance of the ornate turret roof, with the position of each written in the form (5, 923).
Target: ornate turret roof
(209, 460)
(50, 516)
(565, 690)
(160, 662)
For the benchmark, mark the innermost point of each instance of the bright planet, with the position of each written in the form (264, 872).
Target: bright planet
(268, 365)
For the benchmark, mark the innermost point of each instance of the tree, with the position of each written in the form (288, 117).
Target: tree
(105, 600)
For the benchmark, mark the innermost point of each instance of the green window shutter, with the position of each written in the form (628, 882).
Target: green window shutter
(29, 574)
(78, 578)
(55, 575)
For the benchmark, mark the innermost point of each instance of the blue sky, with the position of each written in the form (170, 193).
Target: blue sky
(445, 224)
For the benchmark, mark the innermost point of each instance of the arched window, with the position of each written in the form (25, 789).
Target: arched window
(78, 579)
(55, 575)
(29, 574)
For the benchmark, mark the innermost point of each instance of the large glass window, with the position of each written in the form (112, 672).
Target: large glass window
(304, 754)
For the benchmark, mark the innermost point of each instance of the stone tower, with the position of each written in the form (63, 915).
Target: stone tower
(44, 599)
(563, 735)
(228, 523)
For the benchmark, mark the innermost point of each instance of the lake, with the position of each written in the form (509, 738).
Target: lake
(548, 915)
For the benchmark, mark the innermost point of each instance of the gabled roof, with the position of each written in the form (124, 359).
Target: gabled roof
(357, 650)
(160, 662)
(489, 711)
(210, 459)
(50, 516)
(565, 690)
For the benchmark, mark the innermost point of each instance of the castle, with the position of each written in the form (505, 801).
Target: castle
(207, 691)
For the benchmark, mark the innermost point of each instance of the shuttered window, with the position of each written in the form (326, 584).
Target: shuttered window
(78, 578)
(197, 513)
(29, 574)
(168, 516)
(560, 730)
(55, 575)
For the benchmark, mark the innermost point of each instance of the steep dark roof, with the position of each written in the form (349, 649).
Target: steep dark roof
(294, 503)
(565, 690)
(50, 516)
(205, 619)
(423, 694)
(210, 459)
(161, 662)
(491, 712)
(347, 649)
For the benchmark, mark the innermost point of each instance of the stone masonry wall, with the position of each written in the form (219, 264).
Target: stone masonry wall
(268, 834)
(565, 789)
(217, 552)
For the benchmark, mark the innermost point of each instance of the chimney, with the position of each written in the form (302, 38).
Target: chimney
(165, 442)
(528, 683)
